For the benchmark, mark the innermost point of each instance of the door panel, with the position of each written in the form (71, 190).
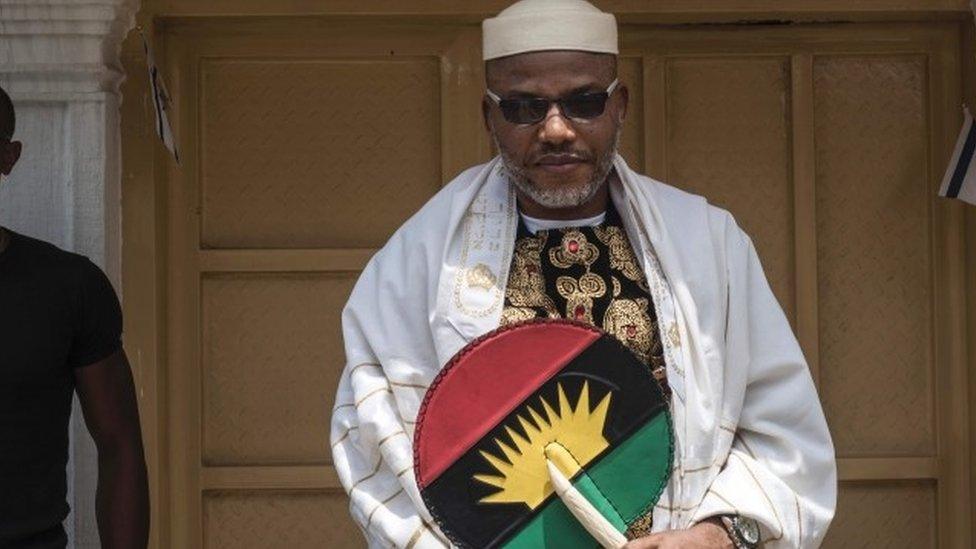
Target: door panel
(729, 140)
(263, 519)
(874, 254)
(885, 514)
(307, 145)
(284, 141)
(262, 368)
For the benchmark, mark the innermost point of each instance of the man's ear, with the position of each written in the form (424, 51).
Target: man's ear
(485, 113)
(624, 102)
(9, 155)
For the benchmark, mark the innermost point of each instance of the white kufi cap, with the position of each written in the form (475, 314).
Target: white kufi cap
(543, 25)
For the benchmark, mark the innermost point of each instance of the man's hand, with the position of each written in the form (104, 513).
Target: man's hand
(707, 534)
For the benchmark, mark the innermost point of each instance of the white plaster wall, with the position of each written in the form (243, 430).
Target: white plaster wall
(59, 62)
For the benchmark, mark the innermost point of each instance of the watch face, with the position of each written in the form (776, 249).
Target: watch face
(748, 530)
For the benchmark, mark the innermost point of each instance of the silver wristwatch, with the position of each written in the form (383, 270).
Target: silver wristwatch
(743, 531)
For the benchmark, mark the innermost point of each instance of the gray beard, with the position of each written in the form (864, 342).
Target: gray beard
(560, 197)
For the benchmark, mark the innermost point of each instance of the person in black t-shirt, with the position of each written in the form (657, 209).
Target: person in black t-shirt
(60, 332)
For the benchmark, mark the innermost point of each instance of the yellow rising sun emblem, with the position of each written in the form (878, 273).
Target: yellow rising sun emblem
(524, 477)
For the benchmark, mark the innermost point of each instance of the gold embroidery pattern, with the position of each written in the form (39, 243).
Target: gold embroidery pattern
(579, 295)
(674, 335)
(641, 527)
(621, 255)
(514, 315)
(484, 225)
(480, 276)
(588, 274)
(629, 321)
(660, 374)
(574, 249)
(526, 283)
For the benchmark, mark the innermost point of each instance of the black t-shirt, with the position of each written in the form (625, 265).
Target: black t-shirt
(58, 312)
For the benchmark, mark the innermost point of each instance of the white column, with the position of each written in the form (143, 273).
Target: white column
(59, 61)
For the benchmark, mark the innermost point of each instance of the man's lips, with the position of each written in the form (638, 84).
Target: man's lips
(560, 163)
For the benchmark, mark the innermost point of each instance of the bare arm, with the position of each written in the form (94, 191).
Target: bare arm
(707, 534)
(108, 400)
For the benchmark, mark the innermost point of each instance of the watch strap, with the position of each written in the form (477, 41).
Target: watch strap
(733, 528)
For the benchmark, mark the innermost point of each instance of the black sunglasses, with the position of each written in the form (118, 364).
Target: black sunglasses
(532, 110)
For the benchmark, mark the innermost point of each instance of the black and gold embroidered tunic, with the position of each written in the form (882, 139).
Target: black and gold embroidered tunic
(589, 274)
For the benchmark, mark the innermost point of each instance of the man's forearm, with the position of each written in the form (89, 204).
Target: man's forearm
(122, 502)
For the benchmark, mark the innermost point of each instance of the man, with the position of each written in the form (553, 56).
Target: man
(60, 330)
(559, 226)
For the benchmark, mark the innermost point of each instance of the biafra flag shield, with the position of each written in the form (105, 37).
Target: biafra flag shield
(543, 390)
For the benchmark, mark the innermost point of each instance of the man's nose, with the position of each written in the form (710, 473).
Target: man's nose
(556, 128)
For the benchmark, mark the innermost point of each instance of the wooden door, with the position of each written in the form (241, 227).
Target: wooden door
(307, 144)
(308, 141)
(828, 144)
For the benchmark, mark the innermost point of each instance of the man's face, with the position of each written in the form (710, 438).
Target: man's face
(9, 155)
(559, 162)
(9, 150)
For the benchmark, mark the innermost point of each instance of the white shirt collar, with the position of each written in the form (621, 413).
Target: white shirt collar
(535, 225)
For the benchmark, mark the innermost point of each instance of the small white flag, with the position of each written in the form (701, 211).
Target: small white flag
(960, 177)
(161, 101)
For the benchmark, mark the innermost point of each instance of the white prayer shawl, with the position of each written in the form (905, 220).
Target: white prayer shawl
(751, 435)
